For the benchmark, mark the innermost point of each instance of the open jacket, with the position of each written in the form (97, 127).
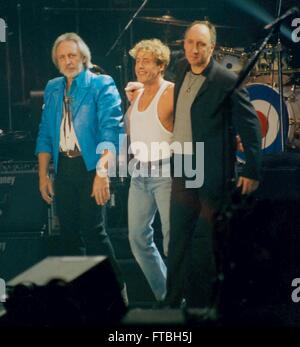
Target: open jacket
(211, 125)
(96, 113)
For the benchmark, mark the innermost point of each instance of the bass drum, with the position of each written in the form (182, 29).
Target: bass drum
(292, 97)
(266, 101)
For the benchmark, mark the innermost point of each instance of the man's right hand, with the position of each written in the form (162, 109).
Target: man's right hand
(46, 189)
(131, 89)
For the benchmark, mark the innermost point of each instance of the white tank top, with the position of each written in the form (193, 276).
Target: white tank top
(149, 138)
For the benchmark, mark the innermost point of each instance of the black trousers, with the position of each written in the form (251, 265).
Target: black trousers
(191, 247)
(82, 222)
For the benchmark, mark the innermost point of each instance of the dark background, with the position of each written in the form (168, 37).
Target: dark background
(33, 26)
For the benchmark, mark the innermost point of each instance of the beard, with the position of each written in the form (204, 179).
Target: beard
(71, 73)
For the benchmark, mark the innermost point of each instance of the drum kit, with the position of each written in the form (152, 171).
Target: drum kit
(262, 85)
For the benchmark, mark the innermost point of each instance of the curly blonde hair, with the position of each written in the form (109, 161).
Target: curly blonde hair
(160, 51)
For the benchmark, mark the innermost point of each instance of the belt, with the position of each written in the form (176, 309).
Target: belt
(71, 153)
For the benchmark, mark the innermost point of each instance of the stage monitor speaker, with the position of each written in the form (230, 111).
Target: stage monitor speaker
(280, 177)
(21, 206)
(261, 249)
(65, 291)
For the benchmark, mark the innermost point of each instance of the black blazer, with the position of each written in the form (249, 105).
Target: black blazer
(211, 125)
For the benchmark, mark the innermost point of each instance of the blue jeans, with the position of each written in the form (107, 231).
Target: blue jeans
(146, 195)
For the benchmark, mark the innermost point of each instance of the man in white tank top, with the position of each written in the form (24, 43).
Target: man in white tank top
(150, 125)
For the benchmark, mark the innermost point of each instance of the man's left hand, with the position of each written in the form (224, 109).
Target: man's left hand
(247, 185)
(101, 191)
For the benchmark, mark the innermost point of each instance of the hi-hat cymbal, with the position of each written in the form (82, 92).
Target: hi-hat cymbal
(166, 19)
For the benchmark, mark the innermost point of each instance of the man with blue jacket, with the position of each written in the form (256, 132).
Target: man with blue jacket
(81, 111)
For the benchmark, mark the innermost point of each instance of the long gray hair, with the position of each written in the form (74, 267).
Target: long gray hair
(82, 46)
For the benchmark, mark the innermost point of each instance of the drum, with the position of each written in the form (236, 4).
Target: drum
(266, 68)
(266, 101)
(233, 59)
(292, 97)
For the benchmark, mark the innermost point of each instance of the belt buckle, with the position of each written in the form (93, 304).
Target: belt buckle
(69, 155)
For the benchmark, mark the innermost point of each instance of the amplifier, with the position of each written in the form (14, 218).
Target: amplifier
(21, 206)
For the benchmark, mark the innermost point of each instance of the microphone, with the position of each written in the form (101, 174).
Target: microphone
(280, 19)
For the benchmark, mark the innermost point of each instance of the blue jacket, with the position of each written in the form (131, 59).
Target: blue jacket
(96, 113)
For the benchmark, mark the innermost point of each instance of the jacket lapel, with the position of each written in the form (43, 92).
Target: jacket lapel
(181, 75)
(208, 73)
(58, 95)
(83, 88)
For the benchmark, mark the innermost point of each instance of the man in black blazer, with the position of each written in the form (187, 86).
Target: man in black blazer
(202, 115)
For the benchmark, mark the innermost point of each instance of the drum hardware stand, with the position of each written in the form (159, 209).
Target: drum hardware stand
(230, 203)
(8, 79)
(19, 9)
(125, 54)
(280, 85)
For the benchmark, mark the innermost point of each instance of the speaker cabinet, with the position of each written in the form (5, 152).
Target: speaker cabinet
(21, 206)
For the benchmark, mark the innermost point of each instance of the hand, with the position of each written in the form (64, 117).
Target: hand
(239, 144)
(131, 90)
(100, 190)
(46, 189)
(247, 185)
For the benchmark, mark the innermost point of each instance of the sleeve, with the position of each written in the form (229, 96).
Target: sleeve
(44, 143)
(110, 116)
(247, 125)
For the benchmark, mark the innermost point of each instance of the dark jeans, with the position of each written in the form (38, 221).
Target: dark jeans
(82, 223)
(191, 227)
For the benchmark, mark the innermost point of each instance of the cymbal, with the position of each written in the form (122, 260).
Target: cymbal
(166, 19)
(169, 20)
(175, 43)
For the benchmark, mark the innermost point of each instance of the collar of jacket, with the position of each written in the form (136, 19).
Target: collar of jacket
(208, 73)
(83, 82)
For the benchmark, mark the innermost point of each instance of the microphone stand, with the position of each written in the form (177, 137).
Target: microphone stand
(280, 83)
(20, 34)
(8, 79)
(125, 54)
(126, 28)
(228, 206)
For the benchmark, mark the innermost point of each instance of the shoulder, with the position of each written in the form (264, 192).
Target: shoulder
(52, 86)
(223, 76)
(167, 97)
(54, 83)
(103, 85)
(101, 80)
(168, 93)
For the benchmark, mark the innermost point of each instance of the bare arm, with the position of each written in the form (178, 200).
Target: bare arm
(165, 108)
